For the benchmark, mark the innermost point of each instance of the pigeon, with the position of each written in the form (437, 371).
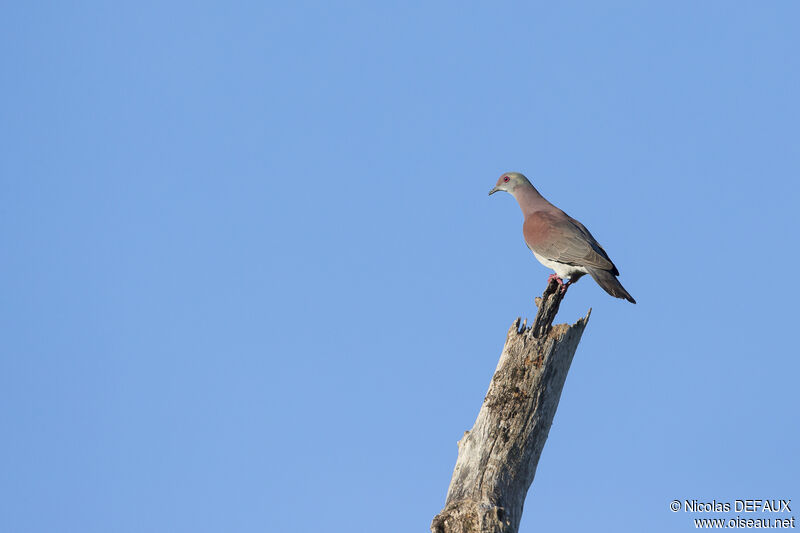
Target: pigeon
(560, 242)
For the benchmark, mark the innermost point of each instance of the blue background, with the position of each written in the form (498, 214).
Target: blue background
(252, 281)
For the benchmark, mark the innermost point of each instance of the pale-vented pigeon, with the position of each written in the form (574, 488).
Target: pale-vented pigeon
(559, 241)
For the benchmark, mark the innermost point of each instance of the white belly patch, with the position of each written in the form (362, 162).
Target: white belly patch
(562, 270)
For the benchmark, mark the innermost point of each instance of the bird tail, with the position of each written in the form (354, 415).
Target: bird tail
(610, 283)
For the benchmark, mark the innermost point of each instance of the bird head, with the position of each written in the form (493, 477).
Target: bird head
(509, 182)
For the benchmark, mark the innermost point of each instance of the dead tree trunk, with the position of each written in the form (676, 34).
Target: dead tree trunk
(497, 459)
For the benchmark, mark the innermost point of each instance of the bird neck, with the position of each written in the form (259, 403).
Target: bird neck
(528, 198)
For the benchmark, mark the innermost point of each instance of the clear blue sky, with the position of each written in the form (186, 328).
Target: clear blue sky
(252, 281)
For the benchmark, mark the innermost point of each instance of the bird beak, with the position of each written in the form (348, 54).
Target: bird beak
(493, 191)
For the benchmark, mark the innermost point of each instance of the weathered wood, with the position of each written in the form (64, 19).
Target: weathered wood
(548, 306)
(497, 458)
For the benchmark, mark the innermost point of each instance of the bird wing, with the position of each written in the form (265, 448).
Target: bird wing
(558, 237)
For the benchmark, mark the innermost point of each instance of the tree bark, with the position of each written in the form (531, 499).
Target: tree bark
(497, 458)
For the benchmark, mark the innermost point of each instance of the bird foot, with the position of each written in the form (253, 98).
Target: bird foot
(563, 285)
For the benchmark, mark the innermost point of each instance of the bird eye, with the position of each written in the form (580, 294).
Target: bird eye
(505, 179)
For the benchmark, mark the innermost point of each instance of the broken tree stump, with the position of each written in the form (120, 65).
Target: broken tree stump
(497, 458)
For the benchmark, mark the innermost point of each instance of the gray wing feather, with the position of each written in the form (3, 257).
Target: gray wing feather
(570, 242)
